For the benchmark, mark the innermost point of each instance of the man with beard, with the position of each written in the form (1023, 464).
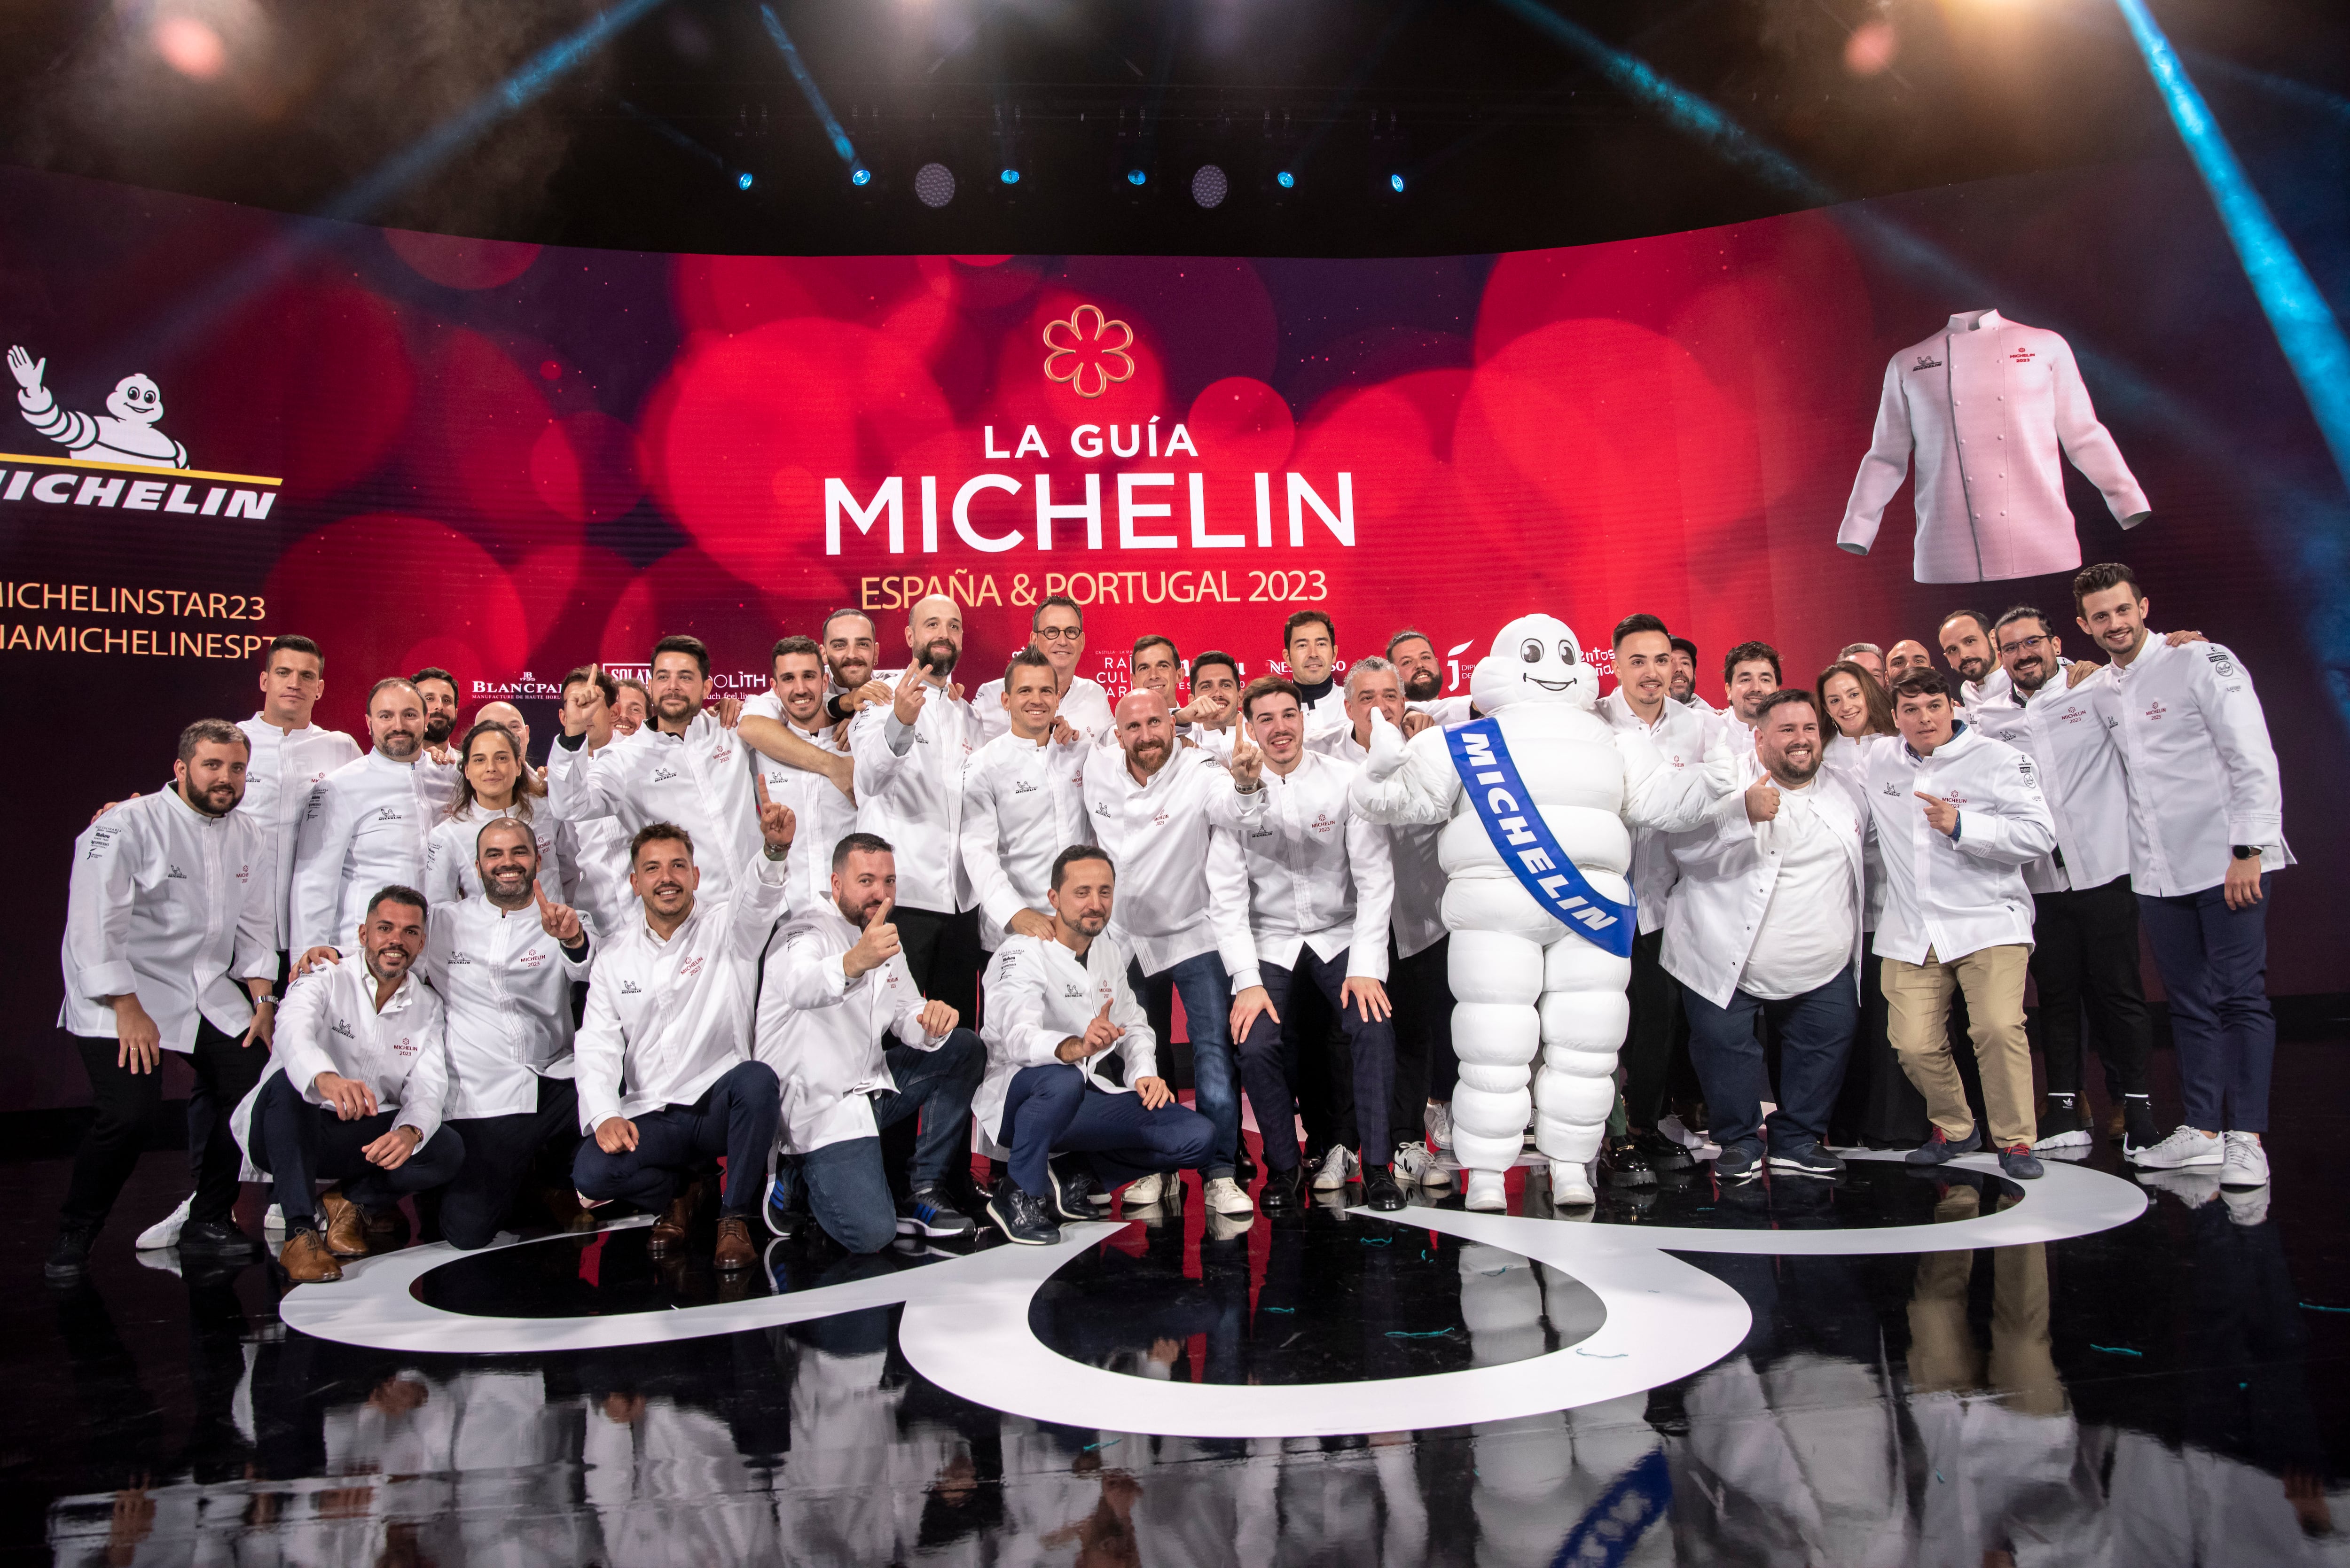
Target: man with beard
(1183, 915)
(850, 650)
(1062, 1003)
(362, 1070)
(1421, 674)
(1905, 658)
(437, 689)
(632, 705)
(503, 962)
(1970, 649)
(1766, 920)
(1750, 673)
(365, 824)
(1210, 719)
(805, 766)
(685, 768)
(1309, 641)
(1657, 1032)
(167, 948)
(1057, 630)
(2085, 916)
(667, 1075)
(1022, 802)
(910, 753)
(1684, 683)
(834, 986)
(1320, 887)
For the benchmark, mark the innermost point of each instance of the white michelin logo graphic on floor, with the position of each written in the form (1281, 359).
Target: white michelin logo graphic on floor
(966, 1329)
(126, 433)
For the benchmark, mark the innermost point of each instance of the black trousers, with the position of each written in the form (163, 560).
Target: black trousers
(1658, 1032)
(298, 1143)
(2084, 951)
(499, 1150)
(1420, 987)
(942, 954)
(127, 1102)
(1879, 1106)
(1270, 1070)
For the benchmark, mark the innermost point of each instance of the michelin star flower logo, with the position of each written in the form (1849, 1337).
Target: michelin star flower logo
(1083, 356)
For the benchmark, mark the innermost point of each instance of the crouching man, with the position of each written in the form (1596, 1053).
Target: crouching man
(356, 1095)
(1056, 1010)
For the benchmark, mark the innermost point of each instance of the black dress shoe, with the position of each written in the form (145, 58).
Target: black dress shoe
(1379, 1190)
(216, 1238)
(69, 1258)
(1626, 1164)
(1284, 1191)
(1661, 1152)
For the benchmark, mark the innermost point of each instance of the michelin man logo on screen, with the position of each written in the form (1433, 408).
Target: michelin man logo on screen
(1538, 799)
(125, 433)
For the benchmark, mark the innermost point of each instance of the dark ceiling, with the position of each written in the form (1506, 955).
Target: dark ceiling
(1510, 122)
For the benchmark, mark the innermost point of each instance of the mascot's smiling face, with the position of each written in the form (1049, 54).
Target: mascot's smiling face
(136, 398)
(1536, 659)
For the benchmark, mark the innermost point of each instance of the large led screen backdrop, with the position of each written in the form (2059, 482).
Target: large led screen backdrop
(508, 460)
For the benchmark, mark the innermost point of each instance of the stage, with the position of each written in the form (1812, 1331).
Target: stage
(1892, 1368)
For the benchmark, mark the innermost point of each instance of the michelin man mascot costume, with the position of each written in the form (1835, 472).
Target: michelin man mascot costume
(1538, 798)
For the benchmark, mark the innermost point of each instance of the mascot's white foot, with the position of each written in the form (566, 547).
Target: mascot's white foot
(1570, 1185)
(1486, 1194)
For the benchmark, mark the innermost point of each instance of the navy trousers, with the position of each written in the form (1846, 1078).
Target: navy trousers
(1270, 1072)
(1814, 1033)
(297, 1143)
(735, 1116)
(2214, 962)
(1052, 1109)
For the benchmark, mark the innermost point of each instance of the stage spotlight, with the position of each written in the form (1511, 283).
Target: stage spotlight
(860, 175)
(934, 185)
(1208, 186)
(1135, 177)
(1394, 183)
(1010, 176)
(1286, 179)
(190, 46)
(742, 182)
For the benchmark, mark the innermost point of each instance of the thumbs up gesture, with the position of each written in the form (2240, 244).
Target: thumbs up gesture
(1762, 800)
(560, 920)
(776, 824)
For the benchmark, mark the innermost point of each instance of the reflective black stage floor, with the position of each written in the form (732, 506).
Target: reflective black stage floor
(2169, 1391)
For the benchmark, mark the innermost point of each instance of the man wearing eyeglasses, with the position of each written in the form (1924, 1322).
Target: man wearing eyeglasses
(2084, 920)
(1057, 630)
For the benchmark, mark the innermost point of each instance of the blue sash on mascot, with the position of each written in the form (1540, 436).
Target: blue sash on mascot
(1525, 844)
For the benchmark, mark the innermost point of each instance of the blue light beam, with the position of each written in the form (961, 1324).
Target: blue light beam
(813, 94)
(2306, 329)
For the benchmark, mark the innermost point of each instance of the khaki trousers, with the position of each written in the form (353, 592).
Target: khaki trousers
(1917, 1007)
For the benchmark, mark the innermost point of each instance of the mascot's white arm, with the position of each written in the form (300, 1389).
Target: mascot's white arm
(1406, 784)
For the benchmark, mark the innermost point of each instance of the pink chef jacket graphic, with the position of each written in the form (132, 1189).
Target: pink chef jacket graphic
(1985, 406)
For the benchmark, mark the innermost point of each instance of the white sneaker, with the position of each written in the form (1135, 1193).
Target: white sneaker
(164, 1233)
(1436, 1121)
(1486, 1193)
(1145, 1190)
(1332, 1169)
(1417, 1164)
(2077, 1138)
(2246, 1163)
(1570, 1185)
(1224, 1197)
(273, 1223)
(2184, 1149)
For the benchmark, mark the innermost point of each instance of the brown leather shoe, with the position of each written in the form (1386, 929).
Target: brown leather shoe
(670, 1230)
(735, 1252)
(305, 1260)
(347, 1225)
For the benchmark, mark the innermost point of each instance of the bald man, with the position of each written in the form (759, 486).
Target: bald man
(509, 715)
(1905, 658)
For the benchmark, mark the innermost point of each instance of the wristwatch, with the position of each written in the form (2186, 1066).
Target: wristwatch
(2248, 851)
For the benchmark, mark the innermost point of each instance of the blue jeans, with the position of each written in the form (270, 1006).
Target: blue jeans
(1814, 1033)
(735, 1116)
(1269, 1066)
(1207, 993)
(1050, 1108)
(2214, 962)
(848, 1183)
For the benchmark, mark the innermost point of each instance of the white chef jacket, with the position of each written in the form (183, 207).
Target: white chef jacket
(284, 769)
(1318, 873)
(505, 988)
(1678, 735)
(909, 790)
(449, 873)
(170, 904)
(1085, 705)
(363, 830)
(1984, 405)
(1956, 896)
(667, 1019)
(2080, 773)
(1326, 712)
(1415, 915)
(822, 815)
(697, 780)
(1730, 867)
(2202, 774)
(596, 869)
(1997, 687)
(1182, 886)
(1023, 803)
(329, 1023)
(1038, 994)
(1848, 760)
(822, 1031)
